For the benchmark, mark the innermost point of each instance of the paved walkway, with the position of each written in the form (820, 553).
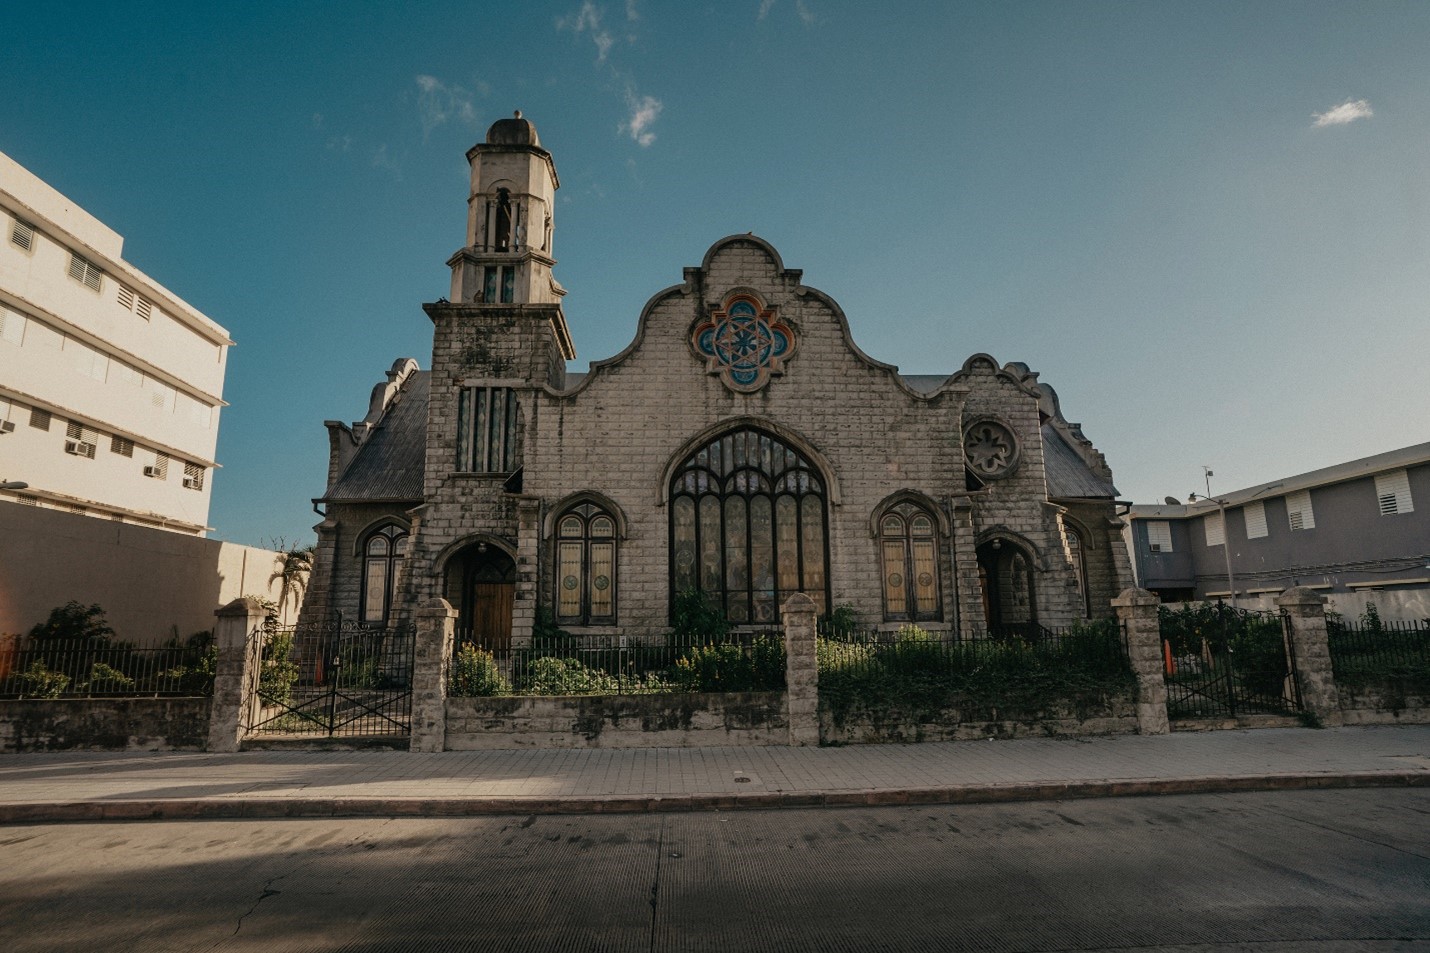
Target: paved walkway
(90, 786)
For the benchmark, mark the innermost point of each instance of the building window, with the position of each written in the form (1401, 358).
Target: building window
(39, 419)
(383, 554)
(503, 222)
(748, 525)
(499, 284)
(22, 235)
(1216, 531)
(1255, 516)
(486, 430)
(1077, 554)
(159, 469)
(12, 326)
(1392, 493)
(586, 566)
(1299, 512)
(80, 440)
(1159, 536)
(908, 549)
(85, 272)
(121, 446)
(193, 476)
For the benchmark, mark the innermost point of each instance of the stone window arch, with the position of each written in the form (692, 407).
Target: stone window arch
(908, 556)
(749, 526)
(585, 566)
(1077, 554)
(384, 551)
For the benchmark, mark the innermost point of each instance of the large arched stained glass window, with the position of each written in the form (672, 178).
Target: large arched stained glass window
(748, 526)
(908, 539)
(383, 554)
(586, 566)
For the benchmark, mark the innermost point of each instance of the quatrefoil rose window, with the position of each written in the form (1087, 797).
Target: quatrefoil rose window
(744, 342)
(990, 449)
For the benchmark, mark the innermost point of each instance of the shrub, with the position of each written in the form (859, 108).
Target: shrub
(475, 674)
(39, 682)
(841, 622)
(695, 618)
(729, 668)
(567, 676)
(105, 678)
(279, 671)
(74, 622)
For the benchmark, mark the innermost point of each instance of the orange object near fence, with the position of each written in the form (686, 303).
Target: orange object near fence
(1169, 664)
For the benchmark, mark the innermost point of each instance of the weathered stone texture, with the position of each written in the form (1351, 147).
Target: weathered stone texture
(104, 724)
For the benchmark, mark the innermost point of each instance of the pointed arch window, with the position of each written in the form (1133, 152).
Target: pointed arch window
(586, 566)
(384, 552)
(908, 546)
(749, 526)
(1077, 553)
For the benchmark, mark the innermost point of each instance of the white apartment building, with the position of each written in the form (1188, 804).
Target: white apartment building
(110, 384)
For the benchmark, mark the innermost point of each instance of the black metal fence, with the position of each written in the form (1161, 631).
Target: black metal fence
(332, 679)
(100, 668)
(1223, 662)
(1376, 653)
(615, 665)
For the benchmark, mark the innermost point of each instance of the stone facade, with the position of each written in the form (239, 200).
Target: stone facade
(962, 502)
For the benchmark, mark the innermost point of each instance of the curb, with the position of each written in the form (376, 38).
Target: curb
(239, 808)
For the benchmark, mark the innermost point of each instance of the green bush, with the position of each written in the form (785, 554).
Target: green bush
(105, 678)
(279, 671)
(567, 676)
(475, 674)
(74, 622)
(39, 682)
(696, 618)
(729, 668)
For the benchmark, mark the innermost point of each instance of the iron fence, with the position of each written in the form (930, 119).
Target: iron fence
(333, 679)
(1221, 661)
(623, 665)
(1375, 651)
(100, 668)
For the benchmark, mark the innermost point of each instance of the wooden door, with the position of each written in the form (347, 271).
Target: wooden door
(491, 615)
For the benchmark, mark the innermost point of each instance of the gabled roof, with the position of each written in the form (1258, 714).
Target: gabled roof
(389, 464)
(1068, 476)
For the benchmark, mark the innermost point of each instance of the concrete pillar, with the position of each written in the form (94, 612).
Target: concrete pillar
(801, 670)
(965, 570)
(528, 542)
(1306, 611)
(1137, 612)
(237, 632)
(432, 658)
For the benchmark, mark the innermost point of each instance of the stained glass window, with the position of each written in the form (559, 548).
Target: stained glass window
(747, 526)
(586, 566)
(744, 342)
(1079, 564)
(383, 555)
(908, 544)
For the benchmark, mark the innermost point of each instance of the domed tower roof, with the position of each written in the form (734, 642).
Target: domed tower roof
(513, 132)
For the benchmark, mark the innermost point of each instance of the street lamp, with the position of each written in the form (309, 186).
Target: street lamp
(1207, 475)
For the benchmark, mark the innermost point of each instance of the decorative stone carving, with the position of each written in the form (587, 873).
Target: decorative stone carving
(991, 449)
(744, 342)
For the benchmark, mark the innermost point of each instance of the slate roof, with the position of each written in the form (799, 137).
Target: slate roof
(389, 464)
(1069, 478)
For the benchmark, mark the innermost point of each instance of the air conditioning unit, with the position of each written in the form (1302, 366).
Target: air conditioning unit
(79, 448)
(7, 426)
(152, 472)
(1154, 547)
(191, 483)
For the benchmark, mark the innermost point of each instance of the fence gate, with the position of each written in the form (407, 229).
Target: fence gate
(330, 679)
(1234, 664)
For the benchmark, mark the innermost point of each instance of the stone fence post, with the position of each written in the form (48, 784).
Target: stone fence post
(801, 670)
(1137, 611)
(431, 661)
(239, 624)
(1306, 612)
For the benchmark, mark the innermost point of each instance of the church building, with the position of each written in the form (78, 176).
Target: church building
(742, 445)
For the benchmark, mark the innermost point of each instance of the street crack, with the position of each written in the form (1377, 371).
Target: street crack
(267, 892)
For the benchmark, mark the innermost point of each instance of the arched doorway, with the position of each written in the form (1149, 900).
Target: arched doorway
(481, 583)
(1005, 575)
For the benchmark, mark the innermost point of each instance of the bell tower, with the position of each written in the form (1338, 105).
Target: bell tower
(507, 258)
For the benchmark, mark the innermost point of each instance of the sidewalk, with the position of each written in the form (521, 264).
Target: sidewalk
(136, 785)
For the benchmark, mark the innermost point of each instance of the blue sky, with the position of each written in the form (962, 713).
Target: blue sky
(1206, 224)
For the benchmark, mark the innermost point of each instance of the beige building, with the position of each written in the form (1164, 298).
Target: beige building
(110, 384)
(742, 446)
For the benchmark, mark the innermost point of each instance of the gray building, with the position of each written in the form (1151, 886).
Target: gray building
(1356, 532)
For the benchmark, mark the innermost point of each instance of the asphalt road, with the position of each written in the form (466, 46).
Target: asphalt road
(1305, 871)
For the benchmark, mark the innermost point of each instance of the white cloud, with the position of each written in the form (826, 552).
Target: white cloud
(1348, 111)
(632, 13)
(588, 20)
(438, 103)
(645, 110)
(765, 6)
(381, 160)
(804, 12)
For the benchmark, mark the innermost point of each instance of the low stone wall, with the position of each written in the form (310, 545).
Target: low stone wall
(104, 724)
(1373, 706)
(617, 721)
(1117, 717)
